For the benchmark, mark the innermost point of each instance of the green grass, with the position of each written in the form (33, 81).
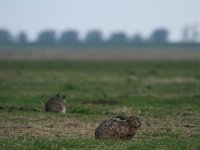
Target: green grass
(56, 143)
(164, 94)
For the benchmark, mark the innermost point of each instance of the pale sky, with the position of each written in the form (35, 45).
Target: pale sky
(130, 16)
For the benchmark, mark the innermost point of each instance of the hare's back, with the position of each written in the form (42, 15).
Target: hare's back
(53, 105)
(106, 129)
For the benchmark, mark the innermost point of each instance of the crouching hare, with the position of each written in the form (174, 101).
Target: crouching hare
(56, 104)
(118, 128)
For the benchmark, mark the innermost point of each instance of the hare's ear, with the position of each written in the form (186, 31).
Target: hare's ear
(58, 95)
(129, 119)
(64, 97)
(119, 117)
(135, 118)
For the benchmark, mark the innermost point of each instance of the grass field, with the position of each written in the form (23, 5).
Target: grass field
(166, 96)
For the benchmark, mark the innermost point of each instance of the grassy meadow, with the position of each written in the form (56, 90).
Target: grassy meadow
(166, 96)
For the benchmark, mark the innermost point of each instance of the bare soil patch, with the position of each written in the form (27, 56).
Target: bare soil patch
(102, 102)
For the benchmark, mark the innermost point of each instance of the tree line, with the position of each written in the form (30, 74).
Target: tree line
(190, 34)
(92, 37)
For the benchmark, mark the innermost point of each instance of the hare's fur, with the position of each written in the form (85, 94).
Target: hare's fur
(118, 128)
(56, 104)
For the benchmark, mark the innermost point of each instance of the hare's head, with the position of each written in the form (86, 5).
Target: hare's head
(60, 97)
(134, 121)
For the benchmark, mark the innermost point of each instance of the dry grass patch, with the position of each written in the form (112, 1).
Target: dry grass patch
(177, 80)
(159, 127)
(48, 127)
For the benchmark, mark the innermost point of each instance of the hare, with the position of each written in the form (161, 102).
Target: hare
(56, 104)
(118, 128)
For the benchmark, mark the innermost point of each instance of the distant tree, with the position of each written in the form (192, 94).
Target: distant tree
(94, 36)
(118, 38)
(47, 37)
(195, 33)
(69, 37)
(159, 36)
(5, 37)
(137, 38)
(186, 34)
(22, 38)
(190, 34)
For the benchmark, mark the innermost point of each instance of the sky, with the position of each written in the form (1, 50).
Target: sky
(129, 16)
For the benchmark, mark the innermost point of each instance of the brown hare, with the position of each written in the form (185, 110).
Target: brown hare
(56, 104)
(118, 128)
